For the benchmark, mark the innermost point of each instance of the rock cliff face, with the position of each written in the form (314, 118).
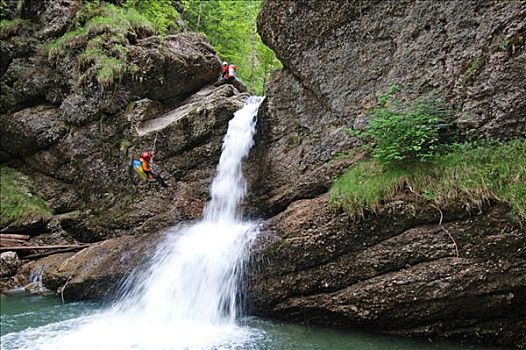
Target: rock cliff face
(408, 269)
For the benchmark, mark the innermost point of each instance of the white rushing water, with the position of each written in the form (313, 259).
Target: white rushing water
(189, 296)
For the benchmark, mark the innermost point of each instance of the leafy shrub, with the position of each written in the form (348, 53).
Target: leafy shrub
(401, 133)
(160, 13)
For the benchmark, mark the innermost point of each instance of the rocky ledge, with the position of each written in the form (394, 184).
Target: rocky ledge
(398, 272)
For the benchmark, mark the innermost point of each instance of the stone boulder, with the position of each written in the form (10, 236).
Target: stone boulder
(53, 17)
(95, 272)
(408, 269)
(76, 137)
(300, 148)
(114, 202)
(9, 263)
(168, 70)
(30, 130)
(28, 81)
(175, 66)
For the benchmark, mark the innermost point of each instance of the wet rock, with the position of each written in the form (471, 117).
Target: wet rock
(30, 275)
(396, 271)
(97, 272)
(30, 81)
(54, 17)
(90, 104)
(239, 85)
(144, 110)
(30, 130)
(60, 196)
(9, 263)
(300, 147)
(76, 137)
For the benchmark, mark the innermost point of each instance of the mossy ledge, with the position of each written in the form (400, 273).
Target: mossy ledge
(472, 174)
(18, 205)
(99, 40)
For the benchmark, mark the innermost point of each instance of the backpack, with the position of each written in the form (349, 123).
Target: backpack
(137, 168)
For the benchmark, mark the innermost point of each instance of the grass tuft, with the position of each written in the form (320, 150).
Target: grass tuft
(17, 204)
(471, 173)
(10, 27)
(58, 47)
(110, 70)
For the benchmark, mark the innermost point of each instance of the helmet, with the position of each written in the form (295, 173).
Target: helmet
(146, 155)
(225, 63)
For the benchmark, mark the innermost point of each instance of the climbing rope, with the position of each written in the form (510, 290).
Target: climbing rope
(154, 142)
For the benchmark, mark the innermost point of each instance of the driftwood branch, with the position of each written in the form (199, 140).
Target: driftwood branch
(13, 236)
(70, 275)
(11, 242)
(446, 231)
(7, 239)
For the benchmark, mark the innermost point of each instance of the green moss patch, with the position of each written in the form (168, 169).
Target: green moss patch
(472, 173)
(99, 41)
(10, 27)
(17, 204)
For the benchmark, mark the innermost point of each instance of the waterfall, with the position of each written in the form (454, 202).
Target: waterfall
(188, 297)
(195, 276)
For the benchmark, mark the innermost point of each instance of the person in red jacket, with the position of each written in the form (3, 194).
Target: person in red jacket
(228, 74)
(146, 159)
(225, 69)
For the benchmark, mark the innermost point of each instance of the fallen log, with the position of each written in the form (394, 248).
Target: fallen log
(42, 247)
(11, 242)
(13, 236)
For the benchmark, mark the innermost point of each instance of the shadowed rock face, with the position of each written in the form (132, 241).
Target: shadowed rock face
(398, 271)
(75, 138)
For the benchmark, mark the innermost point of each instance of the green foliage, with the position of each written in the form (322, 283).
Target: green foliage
(103, 30)
(111, 68)
(362, 187)
(10, 27)
(503, 45)
(5, 9)
(17, 204)
(470, 173)
(230, 26)
(160, 13)
(405, 133)
(10, 8)
(57, 48)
